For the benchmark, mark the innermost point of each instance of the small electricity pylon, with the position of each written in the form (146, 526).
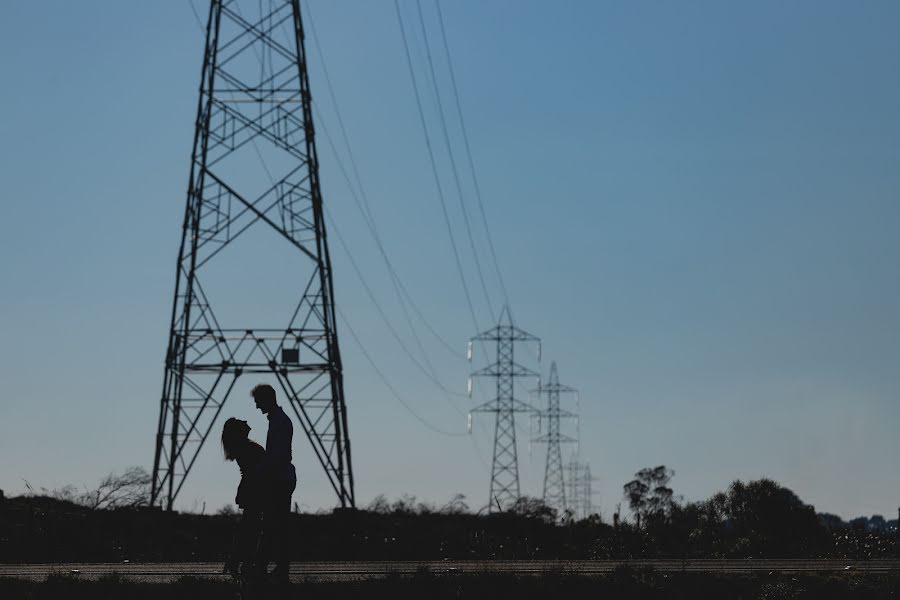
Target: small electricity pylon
(580, 486)
(574, 484)
(505, 489)
(554, 483)
(587, 492)
(254, 166)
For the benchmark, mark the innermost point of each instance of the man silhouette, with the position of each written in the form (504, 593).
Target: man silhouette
(281, 476)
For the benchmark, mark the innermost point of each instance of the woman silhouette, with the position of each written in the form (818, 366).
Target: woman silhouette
(250, 494)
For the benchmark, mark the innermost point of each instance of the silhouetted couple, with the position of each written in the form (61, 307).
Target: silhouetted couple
(268, 480)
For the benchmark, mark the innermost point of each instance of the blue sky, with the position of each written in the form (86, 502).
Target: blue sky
(694, 205)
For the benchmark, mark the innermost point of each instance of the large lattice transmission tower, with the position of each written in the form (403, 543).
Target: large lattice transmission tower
(505, 489)
(554, 477)
(254, 168)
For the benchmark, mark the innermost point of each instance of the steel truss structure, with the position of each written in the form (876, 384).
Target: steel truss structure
(554, 481)
(254, 166)
(580, 488)
(505, 489)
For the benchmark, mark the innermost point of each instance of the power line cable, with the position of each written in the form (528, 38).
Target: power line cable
(435, 93)
(368, 357)
(377, 305)
(395, 277)
(379, 309)
(462, 124)
(196, 15)
(388, 384)
(365, 205)
(477, 447)
(391, 272)
(434, 169)
(454, 170)
(414, 42)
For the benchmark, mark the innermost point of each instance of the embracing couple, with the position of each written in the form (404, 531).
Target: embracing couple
(268, 480)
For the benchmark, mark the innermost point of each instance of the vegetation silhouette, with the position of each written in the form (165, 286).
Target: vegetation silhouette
(756, 519)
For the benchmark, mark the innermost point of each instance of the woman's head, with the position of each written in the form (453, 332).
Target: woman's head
(234, 435)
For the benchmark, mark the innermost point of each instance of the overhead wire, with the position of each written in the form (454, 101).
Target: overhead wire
(367, 213)
(405, 298)
(369, 219)
(388, 384)
(431, 373)
(377, 305)
(365, 206)
(433, 162)
(453, 169)
(431, 155)
(196, 15)
(465, 136)
(434, 170)
(434, 92)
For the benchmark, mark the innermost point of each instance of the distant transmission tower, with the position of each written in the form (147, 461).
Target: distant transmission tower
(587, 492)
(574, 484)
(505, 467)
(254, 165)
(554, 482)
(580, 486)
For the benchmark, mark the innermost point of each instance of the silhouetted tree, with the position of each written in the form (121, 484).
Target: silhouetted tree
(533, 508)
(128, 490)
(648, 493)
(762, 518)
(832, 522)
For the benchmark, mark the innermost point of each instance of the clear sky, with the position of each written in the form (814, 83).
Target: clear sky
(694, 204)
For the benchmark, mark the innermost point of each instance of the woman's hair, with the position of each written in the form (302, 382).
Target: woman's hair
(234, 434)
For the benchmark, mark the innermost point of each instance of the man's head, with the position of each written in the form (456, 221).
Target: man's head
(264, 396)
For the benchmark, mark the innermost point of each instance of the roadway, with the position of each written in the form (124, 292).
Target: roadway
(356, 570)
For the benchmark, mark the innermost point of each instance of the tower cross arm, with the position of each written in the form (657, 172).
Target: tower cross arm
(495, 370)
(505, 333)
(494, 406)
(547, 388)
(561, 437)
(563, 389)
(520, 335)
(558, 413)
(520, 371)
(491, 335)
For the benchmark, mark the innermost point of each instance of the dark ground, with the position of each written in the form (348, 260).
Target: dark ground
(624, 583)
